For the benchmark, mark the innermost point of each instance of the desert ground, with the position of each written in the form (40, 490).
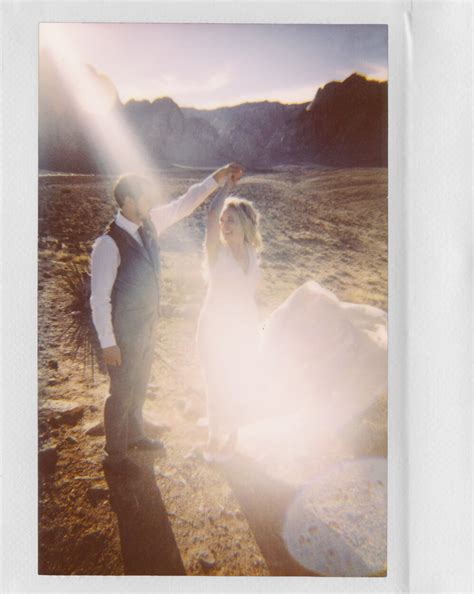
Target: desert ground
(328, 225)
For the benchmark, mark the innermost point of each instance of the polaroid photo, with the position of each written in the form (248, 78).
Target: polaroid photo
(220, 341)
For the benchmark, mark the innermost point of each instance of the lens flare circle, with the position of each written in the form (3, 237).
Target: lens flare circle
(336, 526)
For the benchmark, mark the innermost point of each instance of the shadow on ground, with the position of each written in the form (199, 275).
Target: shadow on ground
(146, 538)
(264, 501)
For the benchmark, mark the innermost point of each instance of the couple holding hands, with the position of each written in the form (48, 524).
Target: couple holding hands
(316, 354)
(125, 291)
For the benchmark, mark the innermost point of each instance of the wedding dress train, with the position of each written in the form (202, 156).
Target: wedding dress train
(324, 353)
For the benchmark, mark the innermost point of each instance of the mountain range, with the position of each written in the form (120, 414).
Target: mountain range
(344, 125)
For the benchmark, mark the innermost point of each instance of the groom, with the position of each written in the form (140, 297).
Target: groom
(125, 288)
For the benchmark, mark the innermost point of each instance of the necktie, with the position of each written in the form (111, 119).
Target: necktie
(145, 240)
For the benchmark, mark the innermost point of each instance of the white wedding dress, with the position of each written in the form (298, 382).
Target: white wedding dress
(315, 353)
(323, 354)
(228, 339)
(290, 387)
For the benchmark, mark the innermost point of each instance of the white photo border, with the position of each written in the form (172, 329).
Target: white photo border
(410, 332)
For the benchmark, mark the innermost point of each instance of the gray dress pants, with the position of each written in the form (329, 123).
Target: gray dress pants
(123, 418)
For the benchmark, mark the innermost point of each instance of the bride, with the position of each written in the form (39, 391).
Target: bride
(228, 335)
(315, 353)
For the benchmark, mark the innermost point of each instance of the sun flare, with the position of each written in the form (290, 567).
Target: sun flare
(98, 95)
(95, 96)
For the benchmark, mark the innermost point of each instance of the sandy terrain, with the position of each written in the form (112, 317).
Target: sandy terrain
(324, 225)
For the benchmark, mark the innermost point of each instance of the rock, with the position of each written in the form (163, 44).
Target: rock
(47, 418)
(71, 440)
(97, 494)
(53, 364)
(47, 460)
(206, 559)
(96, 430)
(73, 416)
(93, 408)
(52, 382)
(60, 412)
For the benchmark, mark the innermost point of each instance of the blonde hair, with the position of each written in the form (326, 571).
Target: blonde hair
(248, 217)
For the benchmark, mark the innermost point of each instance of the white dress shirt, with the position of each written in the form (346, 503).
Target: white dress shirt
(105, 258)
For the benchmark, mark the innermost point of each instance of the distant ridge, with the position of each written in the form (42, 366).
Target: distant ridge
(345, 124)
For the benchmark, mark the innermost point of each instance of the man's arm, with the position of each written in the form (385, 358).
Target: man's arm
(105, 260)
(168, 214)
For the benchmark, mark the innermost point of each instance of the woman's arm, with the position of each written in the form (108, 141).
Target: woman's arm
(213, 222)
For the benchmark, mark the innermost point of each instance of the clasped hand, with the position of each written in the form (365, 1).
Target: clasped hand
(232, 171)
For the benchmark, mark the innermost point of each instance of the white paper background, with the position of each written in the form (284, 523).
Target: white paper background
(430, 289)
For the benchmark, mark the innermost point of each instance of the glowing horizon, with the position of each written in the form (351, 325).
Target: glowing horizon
(256, 99)
(207, 66)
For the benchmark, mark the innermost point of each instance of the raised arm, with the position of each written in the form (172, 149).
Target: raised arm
(213, 221)
(168, 214)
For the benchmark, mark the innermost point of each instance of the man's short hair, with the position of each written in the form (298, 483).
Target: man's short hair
(130, 185)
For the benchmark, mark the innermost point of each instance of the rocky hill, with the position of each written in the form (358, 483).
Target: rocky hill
(344, 125)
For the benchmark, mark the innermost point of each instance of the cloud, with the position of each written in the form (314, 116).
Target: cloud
(180, 90)
(295, 94)
(374, 70)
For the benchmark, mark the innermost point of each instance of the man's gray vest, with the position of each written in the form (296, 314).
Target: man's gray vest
(136, 291)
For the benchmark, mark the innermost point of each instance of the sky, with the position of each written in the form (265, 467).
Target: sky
(212, 65)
